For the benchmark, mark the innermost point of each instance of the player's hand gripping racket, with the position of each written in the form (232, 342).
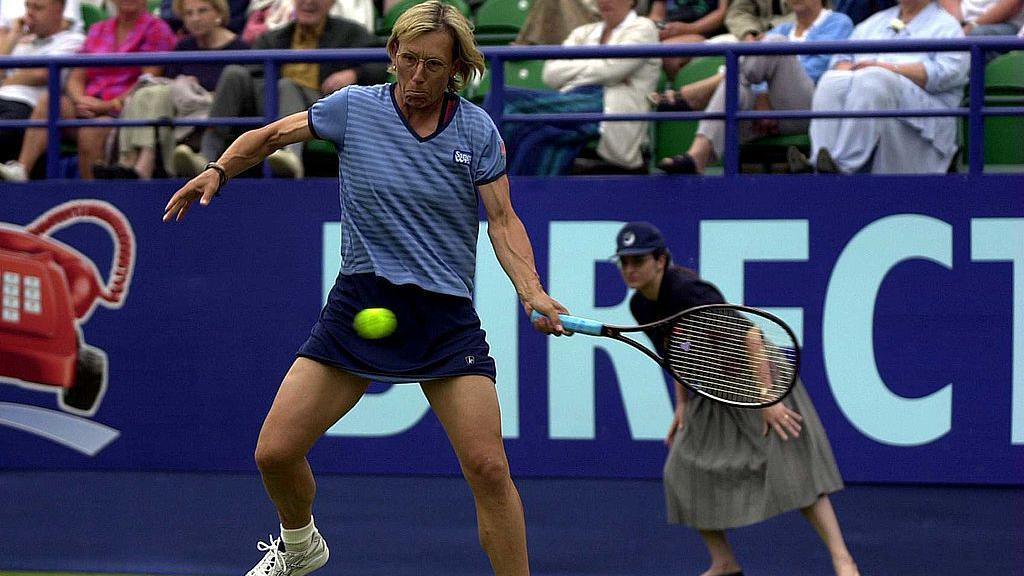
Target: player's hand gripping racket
(738, 355)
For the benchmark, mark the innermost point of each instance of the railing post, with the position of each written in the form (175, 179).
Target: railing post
(975, 120)
(732, 147)
(496, 96)
(269, 101)
(53, 120)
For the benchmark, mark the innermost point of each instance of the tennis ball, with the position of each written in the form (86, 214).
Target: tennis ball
(374, 323)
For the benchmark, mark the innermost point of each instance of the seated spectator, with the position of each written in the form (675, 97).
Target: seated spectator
(185, 91)
(790, 86)
(748, 20)
(235, 21)
(99, 92)
(39, 32)
(264, 15)
(611, 85)
(549, 22)
(987, 18)
(12, 10)
(859, 10)
(684, 22)
(878, 82)
(240, 89)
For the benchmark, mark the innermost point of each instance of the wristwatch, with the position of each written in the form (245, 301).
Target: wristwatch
(220, 172)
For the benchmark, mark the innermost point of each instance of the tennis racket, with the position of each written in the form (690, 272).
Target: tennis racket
(737, 355)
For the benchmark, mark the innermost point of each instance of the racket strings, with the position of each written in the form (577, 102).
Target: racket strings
(728, 356)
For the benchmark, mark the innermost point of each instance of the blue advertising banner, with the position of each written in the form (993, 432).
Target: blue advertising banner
(128, 343)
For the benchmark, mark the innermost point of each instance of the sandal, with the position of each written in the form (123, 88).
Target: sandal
(679, 164)
(798, 163)
(669, 102)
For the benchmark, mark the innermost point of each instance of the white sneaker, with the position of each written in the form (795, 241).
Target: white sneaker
(13, 171)
(280, 562)
(285, 164)
(186, 162)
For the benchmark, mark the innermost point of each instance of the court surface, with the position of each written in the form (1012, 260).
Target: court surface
(186, 523)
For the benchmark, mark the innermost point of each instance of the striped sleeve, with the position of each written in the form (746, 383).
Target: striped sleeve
(491, 156)
(328, 118)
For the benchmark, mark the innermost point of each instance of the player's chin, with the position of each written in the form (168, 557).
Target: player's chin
(418, 99)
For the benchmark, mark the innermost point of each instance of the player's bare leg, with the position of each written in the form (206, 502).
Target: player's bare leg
(467, 407)
(722, 559)
(312, 397)
(822, 516)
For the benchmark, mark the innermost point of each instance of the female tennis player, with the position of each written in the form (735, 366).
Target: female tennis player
(729, 467)
(413, 158)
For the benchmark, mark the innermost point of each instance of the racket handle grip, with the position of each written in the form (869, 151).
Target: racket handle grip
(574, 323)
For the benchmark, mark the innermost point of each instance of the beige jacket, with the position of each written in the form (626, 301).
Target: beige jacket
(755, 16)
(626, 84)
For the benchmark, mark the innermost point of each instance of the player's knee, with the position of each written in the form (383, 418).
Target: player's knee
(272, 456)
(486, 471)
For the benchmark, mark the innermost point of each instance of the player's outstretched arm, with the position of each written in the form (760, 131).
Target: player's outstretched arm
(515, 254)
(248, 150)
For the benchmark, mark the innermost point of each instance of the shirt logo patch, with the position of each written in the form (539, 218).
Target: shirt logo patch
(461, 157)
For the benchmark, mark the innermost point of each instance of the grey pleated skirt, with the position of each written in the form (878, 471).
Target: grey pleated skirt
(722, 472)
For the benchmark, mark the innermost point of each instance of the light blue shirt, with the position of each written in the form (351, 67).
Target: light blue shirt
(947, 71)
(835, 26)
(409, 204)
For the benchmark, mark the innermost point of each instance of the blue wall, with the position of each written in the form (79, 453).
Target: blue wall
(908, 295)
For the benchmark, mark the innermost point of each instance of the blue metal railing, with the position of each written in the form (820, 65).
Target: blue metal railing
(497, 56)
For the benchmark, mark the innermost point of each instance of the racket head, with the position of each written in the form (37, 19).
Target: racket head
(738, 355)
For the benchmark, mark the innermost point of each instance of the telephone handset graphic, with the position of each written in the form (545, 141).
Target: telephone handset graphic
(49, 289)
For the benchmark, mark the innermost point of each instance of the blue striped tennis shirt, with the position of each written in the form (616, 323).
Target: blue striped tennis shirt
(409, 204)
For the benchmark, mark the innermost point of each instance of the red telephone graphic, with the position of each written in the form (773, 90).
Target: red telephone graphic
(49, 289)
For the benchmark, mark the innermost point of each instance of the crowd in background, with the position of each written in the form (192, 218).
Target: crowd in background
(811, 82)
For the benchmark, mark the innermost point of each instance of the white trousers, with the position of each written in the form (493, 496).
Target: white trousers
(892, 146)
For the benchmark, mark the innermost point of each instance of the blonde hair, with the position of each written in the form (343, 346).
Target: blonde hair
(435, 16)
(221, 6)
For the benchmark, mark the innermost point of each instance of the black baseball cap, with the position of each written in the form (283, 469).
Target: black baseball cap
(638, 238)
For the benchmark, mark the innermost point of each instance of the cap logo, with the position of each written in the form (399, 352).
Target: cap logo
(628, 239)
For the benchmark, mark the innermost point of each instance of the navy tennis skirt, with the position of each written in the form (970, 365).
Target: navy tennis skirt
(438, 335)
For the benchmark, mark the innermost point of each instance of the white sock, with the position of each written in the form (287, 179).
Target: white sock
(298, 539)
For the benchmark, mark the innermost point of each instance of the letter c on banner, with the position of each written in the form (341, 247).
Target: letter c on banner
(847, 331)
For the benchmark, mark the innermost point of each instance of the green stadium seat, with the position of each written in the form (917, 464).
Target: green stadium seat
(1005, 74)
(521, 74)
(388, 22)
(92, 14)
(526, 74)
(1004, 86)
(499, 21)
(502, 15)
(671, 138)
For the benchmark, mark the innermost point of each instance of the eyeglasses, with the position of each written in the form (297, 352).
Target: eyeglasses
(409, 61)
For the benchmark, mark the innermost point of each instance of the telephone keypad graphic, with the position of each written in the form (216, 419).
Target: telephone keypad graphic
(29, 301)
